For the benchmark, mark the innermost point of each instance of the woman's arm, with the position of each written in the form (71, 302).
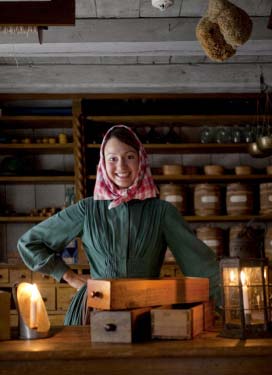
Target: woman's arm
(193, 256)
(40, 247)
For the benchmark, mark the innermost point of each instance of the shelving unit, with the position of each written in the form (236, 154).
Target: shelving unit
(56, 296)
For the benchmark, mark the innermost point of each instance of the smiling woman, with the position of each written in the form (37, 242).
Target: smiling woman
(122, 163)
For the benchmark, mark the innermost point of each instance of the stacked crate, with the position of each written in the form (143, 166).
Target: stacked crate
(128, 310)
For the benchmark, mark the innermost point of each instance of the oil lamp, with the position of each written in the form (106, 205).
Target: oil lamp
(247, 297)
(33, 318)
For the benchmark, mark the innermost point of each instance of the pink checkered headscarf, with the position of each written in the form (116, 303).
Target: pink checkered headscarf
(142, 188)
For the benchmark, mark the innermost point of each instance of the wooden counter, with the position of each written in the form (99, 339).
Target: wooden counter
(70, 351)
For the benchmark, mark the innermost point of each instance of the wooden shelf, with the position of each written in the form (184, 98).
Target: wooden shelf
(190, 120)
(205, 178)
(227, 218)
(36, 179)
(37, 121)
(22, 219)
(190, 148)
(7, 148)
(189, 218)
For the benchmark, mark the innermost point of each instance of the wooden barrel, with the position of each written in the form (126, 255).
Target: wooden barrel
(169, 169)
(245, 241)
(212, 237)
(174, 194)
(266, 198)
(207, 199)
(239, 199)
(268, 243)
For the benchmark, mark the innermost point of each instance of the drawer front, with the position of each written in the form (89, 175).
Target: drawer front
(64, 297)
(4, 276)
(120, 326)
(20, 275)
(40, 278)
(49, 296)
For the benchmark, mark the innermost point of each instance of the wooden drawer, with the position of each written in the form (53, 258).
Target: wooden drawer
(56, 319)
(177, 323)
(39, 278)
(49, 296)
(19, 275)
(64, 297)
(4, 276)
(4, 315)
(120, 326)
(121, 294)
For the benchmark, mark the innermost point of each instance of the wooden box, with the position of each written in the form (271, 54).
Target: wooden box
(209, 314)
(177, 323)
(4, 315)
(120, 326)
(121, 294)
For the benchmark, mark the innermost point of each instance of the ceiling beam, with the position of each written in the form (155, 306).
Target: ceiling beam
(138, 78)
(130, 37)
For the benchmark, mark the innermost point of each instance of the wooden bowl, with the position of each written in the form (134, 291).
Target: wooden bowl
(213, 169)
(243, 170)
(269, 169)
(172, 169)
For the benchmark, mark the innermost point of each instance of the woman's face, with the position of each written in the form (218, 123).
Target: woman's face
(122, 162)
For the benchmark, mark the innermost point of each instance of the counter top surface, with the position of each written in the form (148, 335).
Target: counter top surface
(65, 342)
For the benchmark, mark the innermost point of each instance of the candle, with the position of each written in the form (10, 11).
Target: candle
(33, 319)
(245, 298)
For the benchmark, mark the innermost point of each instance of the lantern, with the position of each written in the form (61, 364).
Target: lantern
(247, 293)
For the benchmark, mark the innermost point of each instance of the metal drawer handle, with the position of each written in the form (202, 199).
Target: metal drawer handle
(110, 327)
(95, 294)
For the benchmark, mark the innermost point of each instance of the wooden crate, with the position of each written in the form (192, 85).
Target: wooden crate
(177, 323)
(4, 315)
(120, 326)
(121, 294)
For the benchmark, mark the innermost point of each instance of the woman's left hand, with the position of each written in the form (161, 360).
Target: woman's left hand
(73, 279)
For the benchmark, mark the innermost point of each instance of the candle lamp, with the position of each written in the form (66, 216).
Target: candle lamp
(247, 291)
(33, 317)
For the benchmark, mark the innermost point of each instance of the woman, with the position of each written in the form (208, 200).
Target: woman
(124, 227)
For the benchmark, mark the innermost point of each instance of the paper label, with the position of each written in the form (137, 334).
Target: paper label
(209, 199)
(269, 198)
(238, 198)
(174, 198)
(211, 243)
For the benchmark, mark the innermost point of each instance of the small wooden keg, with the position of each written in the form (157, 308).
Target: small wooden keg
(239, 199)
(212, 237)
(266, 198)
(207, 199)
(170, 169)
(268, 243)
(174, 194)
(213, 169)
(243, 170)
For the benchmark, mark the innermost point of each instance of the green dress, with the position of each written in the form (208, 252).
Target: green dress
(125, 242)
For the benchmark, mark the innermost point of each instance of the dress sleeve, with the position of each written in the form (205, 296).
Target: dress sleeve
(193, 256)
(40, 247)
